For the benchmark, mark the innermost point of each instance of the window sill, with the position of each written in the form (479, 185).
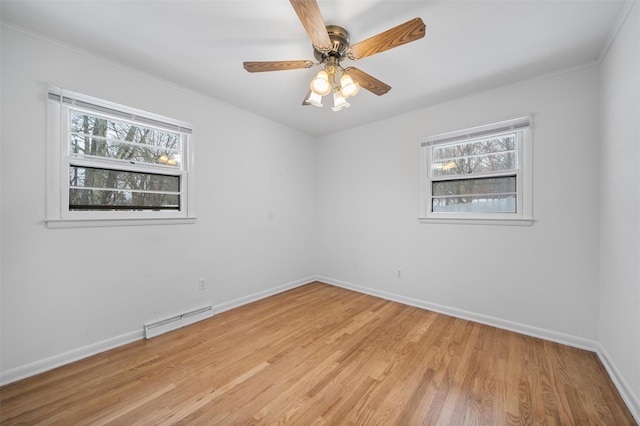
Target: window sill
(92, 223)
(468, 221)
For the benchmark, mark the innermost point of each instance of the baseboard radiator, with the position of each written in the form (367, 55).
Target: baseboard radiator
(178, 321)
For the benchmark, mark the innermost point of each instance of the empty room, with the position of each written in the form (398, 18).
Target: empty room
(308, 212)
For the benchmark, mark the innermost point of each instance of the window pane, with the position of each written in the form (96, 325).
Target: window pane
(117, 179)
(104, 189)
(97, 136)
(497, 185)
(477, 164)
(475, 156)
(94, 146)
(93, 199)
(476, 204)
(480, 195)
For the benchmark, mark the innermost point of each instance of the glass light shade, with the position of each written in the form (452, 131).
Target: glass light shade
(349, 88)
(339, 102)
(314, 99)
(320, 84)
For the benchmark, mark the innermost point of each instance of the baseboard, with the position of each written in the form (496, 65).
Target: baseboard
(43, 365)
(59, 360)
(553, 336)
(627, 394)
(260, 295)
(632, 401)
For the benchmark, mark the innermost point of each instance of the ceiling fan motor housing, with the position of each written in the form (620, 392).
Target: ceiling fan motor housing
(340, 42)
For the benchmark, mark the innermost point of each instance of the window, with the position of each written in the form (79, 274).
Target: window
(479, 175)
(114, 165)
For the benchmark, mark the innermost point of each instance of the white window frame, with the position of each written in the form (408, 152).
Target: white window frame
(521, 126)
(58, 215)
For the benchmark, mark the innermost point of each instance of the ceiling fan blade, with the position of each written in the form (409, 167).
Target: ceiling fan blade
(313, 23)
(397, 36)
(365, 81)
(276, 65)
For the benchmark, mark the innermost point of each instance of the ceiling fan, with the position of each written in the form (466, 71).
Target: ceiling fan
(331, 45)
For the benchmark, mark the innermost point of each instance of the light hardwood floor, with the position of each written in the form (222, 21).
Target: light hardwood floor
(320, 355)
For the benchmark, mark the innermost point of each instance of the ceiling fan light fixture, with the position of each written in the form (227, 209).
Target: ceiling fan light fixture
(349, 88)
(321, 85)
(331, 44)
(313, 99)
(339, 102)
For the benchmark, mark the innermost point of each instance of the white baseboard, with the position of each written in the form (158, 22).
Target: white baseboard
(261, 295)
(43, 365)
(621, 384)
(59, 360)
(627, 394)
(553, 336)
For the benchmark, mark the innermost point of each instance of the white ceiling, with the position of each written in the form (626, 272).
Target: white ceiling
(470, 46)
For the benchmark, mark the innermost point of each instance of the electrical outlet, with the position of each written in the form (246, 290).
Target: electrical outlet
(202, 283)
(399, 273)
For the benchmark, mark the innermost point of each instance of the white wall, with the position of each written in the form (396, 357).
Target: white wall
(541, 279)
(68, 292)
(619, 325)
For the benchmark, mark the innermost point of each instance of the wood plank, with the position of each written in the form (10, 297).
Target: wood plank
(320, 354)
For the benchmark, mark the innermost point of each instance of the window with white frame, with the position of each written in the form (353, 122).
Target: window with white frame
(111, 165)
(479, 175)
